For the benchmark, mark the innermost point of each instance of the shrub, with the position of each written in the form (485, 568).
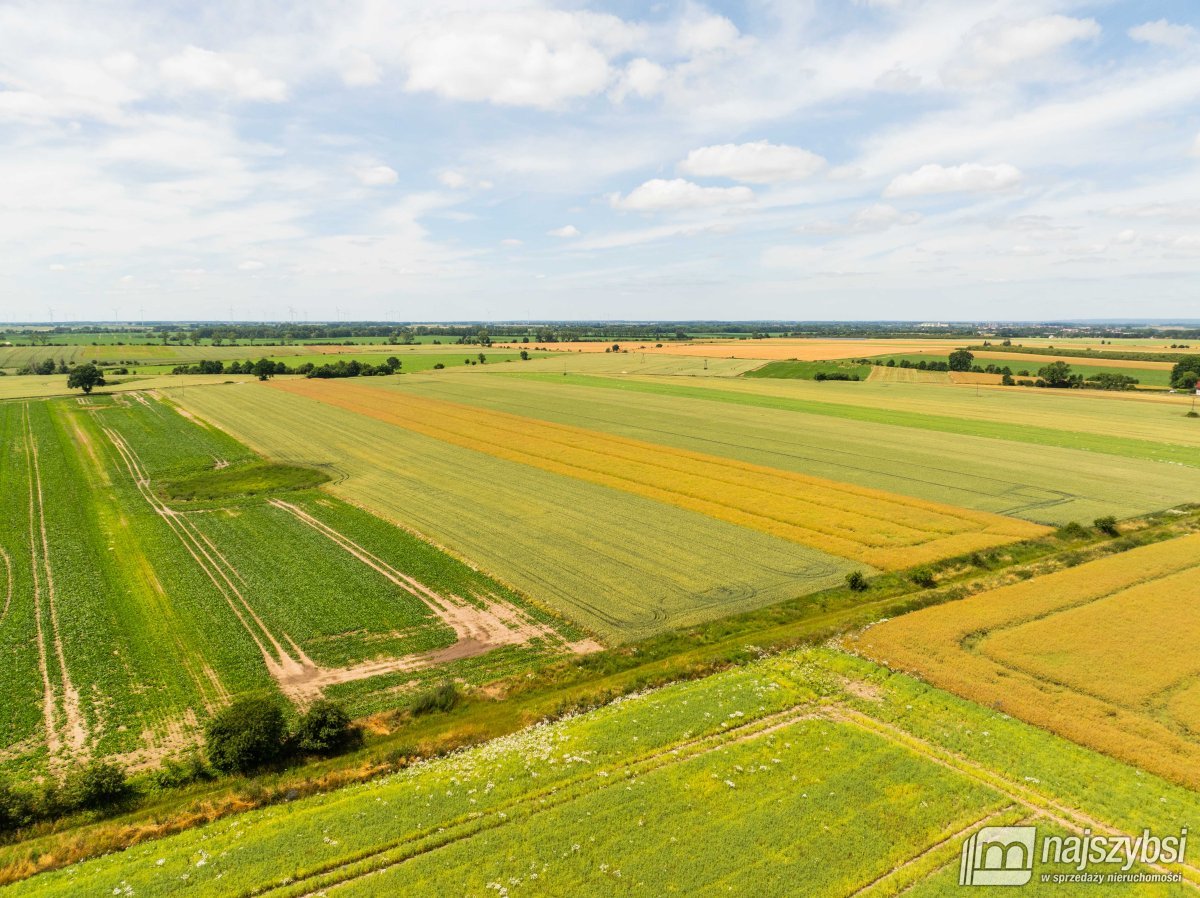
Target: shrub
(326, 729)
(96, 785)
(1071, 530)
(246, 735)
(923, 577)
(437, 698)
(1107, 525)
(15, 808)
(180, 772)
(856, 581)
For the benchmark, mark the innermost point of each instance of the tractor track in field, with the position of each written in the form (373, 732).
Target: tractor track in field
(374, 861)
(8, 583)
(73, 735)
(280, 663)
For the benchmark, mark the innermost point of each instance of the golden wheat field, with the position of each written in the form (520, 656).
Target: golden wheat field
(1102, 653)
(895, 375)
(883, 530)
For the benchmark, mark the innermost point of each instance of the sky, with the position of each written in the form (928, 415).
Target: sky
(798, 160)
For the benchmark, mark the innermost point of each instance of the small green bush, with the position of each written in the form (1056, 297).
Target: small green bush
(1107, 525)
(96, 785)
(1071, 530)
(326, 729)
(923, 577)
(856, 581)
(248, 734)
(438, 698)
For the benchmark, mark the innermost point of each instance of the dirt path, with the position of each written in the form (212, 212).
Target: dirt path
(73, 735)
(8, 583)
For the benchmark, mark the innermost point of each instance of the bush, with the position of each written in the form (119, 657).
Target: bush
(97, 785)
(174, 772)
(1071, 530)
(326, 729)
(856, 581)
(1107, 525)
(438, 698)
(15, 808)
(923, 577)
(246, 735)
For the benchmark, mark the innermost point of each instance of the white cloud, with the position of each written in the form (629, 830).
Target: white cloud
(659, 195)
(756, 163)
(377, 175)
(564, 231)
(452, 179)
(1196, 146)
(1164, 33)
(251, 265)
(642, 78)
(968, 178)
(1000, 45)
(881, 216)
(536, 58)
(510, 241)
(203, 70)
(359, 69)
(705, 34)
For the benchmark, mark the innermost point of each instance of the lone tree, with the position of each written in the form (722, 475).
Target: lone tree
(961, 359)
(263, 369)
(84, 377)
(1058, 374)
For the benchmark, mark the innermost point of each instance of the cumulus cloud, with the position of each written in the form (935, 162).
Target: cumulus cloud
(1000, 45)
(756, 163)
(539, 58)
(659, 195)
(204, 70)
(564, 231)
(706, 33)
(1164, 33)
(968, 178)
(377, 175)
(641, 78)
(359, 69)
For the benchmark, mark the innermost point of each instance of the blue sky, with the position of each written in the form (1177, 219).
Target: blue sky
(812, 159)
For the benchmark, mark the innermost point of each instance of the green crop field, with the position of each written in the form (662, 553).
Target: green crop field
(1151, 376)
(621, 565)
(137, 608)
(796, 370)
(857, 445)
(766, 762)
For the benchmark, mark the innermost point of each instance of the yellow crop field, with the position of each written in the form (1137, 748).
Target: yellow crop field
(974, 378)
(1103, 653)
(881, 529)
(805, 350)
(896, 375)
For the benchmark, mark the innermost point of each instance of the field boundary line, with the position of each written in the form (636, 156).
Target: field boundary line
(1041, 805)
(8, 578)
(535, 802)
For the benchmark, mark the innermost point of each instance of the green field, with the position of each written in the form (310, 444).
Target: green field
(250, 580)
(912, 456)
(766, 762)
(796, 370)
(621, 565)
(1149, 377)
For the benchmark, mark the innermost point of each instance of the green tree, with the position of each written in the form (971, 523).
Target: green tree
(961, 359)
(1186, 373)
(246, 735)
(96, 785)
(1058, 374)
(393, 363)
(524, 355)
(482, 359)
(326, 729)
(85, 377)
(263, 369)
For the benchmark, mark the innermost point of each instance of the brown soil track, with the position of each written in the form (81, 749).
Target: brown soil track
(73, 736)
(8, 582)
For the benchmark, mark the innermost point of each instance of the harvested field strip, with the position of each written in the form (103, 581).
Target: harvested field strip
(69, 736)
(974, 421)
(7, 580)
(883, 530)
(950, 646)
(884, 374)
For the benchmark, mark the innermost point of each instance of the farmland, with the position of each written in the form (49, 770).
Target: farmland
(608, 558)
(633, 797)
(1043, 650)
(881, 530)
(813, 429)
(247, 590)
